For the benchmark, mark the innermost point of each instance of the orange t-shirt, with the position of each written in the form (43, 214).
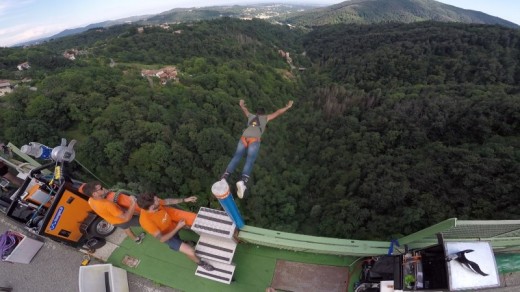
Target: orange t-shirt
(107, 210)
(125, 201)
(164, 219)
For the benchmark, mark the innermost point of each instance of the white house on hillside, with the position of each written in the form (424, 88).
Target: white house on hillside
(5, 87)
(71, 54)
(164, 74)
(23, 66)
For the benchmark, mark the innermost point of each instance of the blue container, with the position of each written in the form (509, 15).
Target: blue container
(220, 190)
(45, 152)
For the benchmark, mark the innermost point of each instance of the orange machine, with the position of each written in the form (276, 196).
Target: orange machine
(68, 214)
(37, 196)
(56, 209)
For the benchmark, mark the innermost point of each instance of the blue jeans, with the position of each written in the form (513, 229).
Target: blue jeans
(252, 153)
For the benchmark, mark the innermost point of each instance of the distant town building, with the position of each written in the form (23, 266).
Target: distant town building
(23, 66)
(178, 31)
(164, 74)
(70, 54)
(286, 56)
(140, 29)
(5, 87)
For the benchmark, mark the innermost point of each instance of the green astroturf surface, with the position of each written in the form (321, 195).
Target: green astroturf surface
(255, 265)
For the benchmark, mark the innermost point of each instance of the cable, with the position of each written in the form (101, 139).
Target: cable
(91, 173)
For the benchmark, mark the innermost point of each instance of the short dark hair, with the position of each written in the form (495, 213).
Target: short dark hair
(260, 111)
(144, 201)
(90, 187)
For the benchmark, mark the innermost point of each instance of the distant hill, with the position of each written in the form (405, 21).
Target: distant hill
(263, 11)
(377, 11)
(103, 24)
(177, 15)
(353, 11)
(78, 30)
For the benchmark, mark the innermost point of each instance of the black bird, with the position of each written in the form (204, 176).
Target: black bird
(461, 258)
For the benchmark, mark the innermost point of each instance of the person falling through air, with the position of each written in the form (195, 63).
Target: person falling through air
(250, 143)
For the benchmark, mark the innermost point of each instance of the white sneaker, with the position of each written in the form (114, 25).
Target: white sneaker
(241, 188)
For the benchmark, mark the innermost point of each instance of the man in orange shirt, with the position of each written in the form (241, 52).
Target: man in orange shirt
(164, 224)
(112, 212)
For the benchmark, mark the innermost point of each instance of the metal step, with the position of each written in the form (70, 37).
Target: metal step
(214, 222)
(216, 244)
(215, 248)
(223, 272)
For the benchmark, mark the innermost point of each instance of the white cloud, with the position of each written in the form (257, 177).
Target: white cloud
(7, 6)
(25, 32)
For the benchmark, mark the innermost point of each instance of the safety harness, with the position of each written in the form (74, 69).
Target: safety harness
(255, 122)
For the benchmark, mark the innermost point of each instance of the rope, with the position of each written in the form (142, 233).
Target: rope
(57, 175)
(37, 211)
(7, 241)
(97, 178)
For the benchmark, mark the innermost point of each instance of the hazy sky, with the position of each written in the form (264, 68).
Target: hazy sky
(23, 20)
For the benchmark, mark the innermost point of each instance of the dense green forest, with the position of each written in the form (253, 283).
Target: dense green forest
(395, 127)
(385, 11)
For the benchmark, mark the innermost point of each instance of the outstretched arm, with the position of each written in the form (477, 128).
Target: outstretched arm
(280, 111)
(242, 104)
(172, 201)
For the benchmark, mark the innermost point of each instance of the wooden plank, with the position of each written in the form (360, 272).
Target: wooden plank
(294, 276)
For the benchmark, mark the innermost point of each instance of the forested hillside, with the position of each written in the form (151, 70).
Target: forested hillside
(384, 11)
(423, 124)
(395, 126)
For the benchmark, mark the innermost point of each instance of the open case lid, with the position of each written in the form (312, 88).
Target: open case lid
(462, 276)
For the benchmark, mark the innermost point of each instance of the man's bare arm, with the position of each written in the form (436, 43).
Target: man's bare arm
(242, 104)
(172, 201)
(279, 112)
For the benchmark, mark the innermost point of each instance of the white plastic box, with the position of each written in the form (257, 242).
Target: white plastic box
(92, 278)
(386, 286)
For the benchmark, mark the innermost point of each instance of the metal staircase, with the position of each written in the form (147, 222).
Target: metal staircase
(216, 245)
